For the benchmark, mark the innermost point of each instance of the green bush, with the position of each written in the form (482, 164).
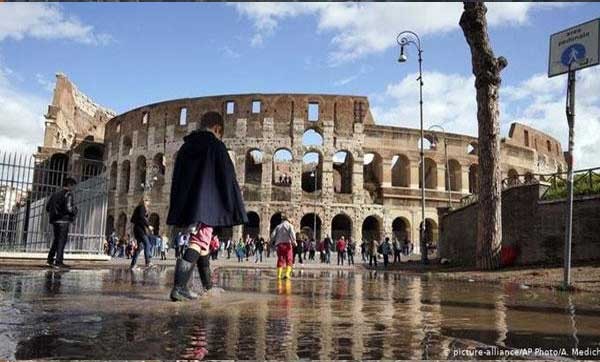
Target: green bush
(581, 186)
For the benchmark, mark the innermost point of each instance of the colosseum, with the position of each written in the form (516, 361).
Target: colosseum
(322, 159)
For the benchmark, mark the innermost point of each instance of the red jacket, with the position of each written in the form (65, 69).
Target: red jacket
(341, 245)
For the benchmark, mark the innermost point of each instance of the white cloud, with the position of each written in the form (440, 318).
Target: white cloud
(21, 122)
(228, 52)
(449, 100)
(45, 21)
(363, 28)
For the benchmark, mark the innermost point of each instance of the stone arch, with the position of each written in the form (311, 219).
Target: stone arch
(401, 228)
(400, 171)
(343, 165)
(127, 145)
(253, 169)
(307, 225)
(473, 178)
(372, 169)
(428, 142)
(341, 225)
(113, 176)
(312, 137)
(125, 175)
(276, 219)
(454, 176)
(431, 180)
(140, 174)
(154, 221)
(371, 228)
(252, 228)
(122, 225)
(158, 162)
(312, 171)
(282, 167)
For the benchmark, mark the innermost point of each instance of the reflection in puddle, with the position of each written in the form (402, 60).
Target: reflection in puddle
(118, 314)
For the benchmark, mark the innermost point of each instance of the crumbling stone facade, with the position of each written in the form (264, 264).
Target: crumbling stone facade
(370, 189)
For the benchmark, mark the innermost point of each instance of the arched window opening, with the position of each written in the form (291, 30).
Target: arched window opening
(341, 225)
(473, 178)
(343, 165)
(252, 228)
(400, 171)
(282, 167)
(254, 159)
(401, 229)
(312, 138)
(454, 176)
(125, 176)
(431, 181)
(312, 172)
(140, 173)
(371, 229)
(307, 226)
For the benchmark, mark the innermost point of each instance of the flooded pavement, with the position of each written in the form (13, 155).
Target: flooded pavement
(118, 314)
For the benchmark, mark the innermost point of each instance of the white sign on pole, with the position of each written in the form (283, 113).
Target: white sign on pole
(578, 46)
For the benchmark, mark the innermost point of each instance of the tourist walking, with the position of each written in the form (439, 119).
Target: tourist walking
(372, 250)
(204, 194)
(351, 248)
(141, 229)
(363, 251)
(214, 247)
(386, 250)
(164, 250)
(228, 247)
(327, 246)
(113, 240)
(240, 249)
(260, 246)
(284, 239)
(61, 213)
(341, 250)
(298, 249)
(311, 250)
(397, 250)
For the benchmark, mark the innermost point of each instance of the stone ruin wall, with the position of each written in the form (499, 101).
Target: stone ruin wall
(148, 137)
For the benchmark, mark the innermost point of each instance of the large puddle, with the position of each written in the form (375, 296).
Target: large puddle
(116, 314)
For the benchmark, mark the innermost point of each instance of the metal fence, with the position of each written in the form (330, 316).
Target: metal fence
(26, 184)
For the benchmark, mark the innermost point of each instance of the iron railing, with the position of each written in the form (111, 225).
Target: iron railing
(27, 182)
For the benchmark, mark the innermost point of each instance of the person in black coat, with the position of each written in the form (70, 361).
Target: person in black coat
(204, 194)
(141, 226)
(61, 213)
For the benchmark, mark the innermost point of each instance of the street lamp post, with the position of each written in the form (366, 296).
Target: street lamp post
(447, 171)
(403, 39)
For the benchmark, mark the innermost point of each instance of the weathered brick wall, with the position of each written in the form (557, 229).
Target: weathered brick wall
(535, 226)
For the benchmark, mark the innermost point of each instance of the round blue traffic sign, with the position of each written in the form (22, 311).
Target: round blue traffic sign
(573, 53)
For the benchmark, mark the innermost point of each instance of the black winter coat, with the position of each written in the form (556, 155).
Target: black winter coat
(204, 188)
(60, 207)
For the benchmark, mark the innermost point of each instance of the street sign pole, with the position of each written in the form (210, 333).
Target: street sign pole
(570, 110)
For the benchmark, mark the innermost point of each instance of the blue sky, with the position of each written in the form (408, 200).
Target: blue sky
(126, 55)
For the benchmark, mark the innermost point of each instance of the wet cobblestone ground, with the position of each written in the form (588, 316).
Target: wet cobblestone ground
(321, 314)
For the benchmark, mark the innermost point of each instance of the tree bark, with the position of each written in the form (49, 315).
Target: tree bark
(486, 69)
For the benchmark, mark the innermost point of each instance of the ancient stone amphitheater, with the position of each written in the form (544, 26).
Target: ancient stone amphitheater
(321, 159)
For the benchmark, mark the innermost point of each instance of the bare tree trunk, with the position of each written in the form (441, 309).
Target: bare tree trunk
(486, 69)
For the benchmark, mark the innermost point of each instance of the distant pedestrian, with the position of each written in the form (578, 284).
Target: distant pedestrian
(165, 248)
(373, 250)
(397, 250)
(363, 250)
(351, 249)
(141, 229)
(327, 246)
(341, 250)
(299, 249)
(386, 250)
(312, 249)
(284, 238)
(229, 247)
(61, 213)
(260, 246)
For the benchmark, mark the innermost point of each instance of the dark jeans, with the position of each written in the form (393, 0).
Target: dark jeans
(372, 259)
(386, 260)
(142, 240)
(61, 233)
(396, 256)
(340, 257)
(350, 258)
(328, 257)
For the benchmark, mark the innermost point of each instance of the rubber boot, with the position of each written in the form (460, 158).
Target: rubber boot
(288, 272)
(279, 273)
(204, 271)
(183, 272)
